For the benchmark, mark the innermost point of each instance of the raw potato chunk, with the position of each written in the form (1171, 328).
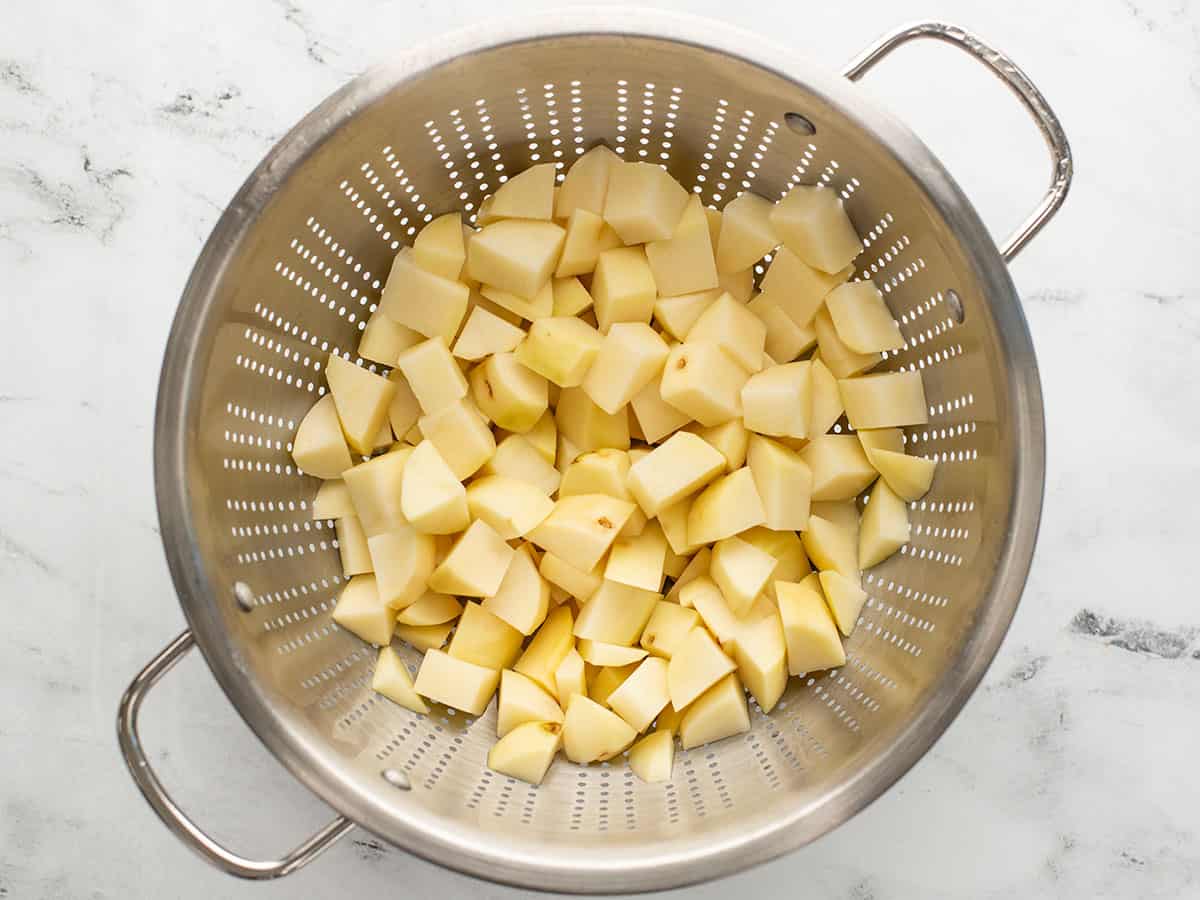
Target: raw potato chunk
(680, 466)
(885, 526)
(560, 349)
(508, 393)
(539, 306)
(603, 471)
(683, 263)
(456, 682)
(421, 300)
(741, 571)
(909, 476)
(813, 224)
(840, 468)
(515, 255)
(785, 339)
(527, 195)
(832, 546)
(746, 233)
(599, 653)
(884, 400)
(696, 665)
(656, 417)
(739, 285)
(703, 595)
(332, 501)
(726, 507)
(673, 520)
(652, 757)
(383, 340)
(581, 528)
(516, 458)
(873, 439)
(643, 203)
(862, 319)
(523, 700)
(761, 655)
(544, 433)
(615, 614)
(730, 439)
(512, 507)
(799, 289)
(643, 694)
(571, 298)
(485, 640)
(735, 329)
(631, 356)
(461, 436)
(778, 401)
(586, 183)
(475, 566)
(592, 733)
(579, 584)
(827, 405)
(375, 488)
(424, 637)
(639, 561)
(588, 235)
(548, 648)
(486, 333)
(525, 753)
(360, 610)
(668, 625)
(841, 360)
(784, 484)
(569, 677)
(623, 288)
(587, 426)
(607, 680)
(845, 599)
(677, 315)
(430, 609)
(391, 679)
(718, 713)
(697, 566)
(361, 399)
(319, 447)
(431, 497)
(403, 560)
(440, 247)
(523, 598)
(352, 546)
(808, 627)
(432, 374)
(702, 381)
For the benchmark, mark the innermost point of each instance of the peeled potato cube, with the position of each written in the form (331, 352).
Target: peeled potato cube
(421, 300)
(525, 753)
(582, 528)
(908, 476)
(403, 560)
(697, 664)
(697, 566)
(592, 733)
(784, 484)
(560, 349)
(673, 520)
(827, 405)
(599, 653)
(544, 435)
(486, 333)
(588, 235)
(727, 506)
(527, 195)
(571, 298)
(643, 202)
(523, 700)
(885, 526)
(569, 677)
(735, 329)
(739, 285)
(432, 374)
(360, 610)
(873, 439)
(508, 393)
(841, 360)
(319, 447)
(424, 637)
(608, 679)
(652, 757)
(730, 439)
(808, 627)
(884, 400)
(623, 288)
(383, 339)
(615, 614)
(375, 488)
(439, 247)
(761, 656)
(587, 426)
(678, 467)
(778, 401)
(845, 598)
(515, 457)
(456, 682)
(703, 595)
(361, 398)
(813, 224)
(352, 546)
(484, 640)
(515, 255)
(631, 357)
(678, 314)
(539, 306)
(746, 233)
(718, 713)
(862, 319)
(603, 471)
(523, 598)
(798, 288)
(332, 500)
(668, 625)
(786, 340)
(702, 381)
(511, 507)
(391, 679)
(549, 646)
(461, 436)
(579, 584)
(432, 498)
(586, 183)
(643, 694)
(475, 566)
(791, 562)
(840, 468)
(741, 571)
(430, 609)
(684, 262)
(831, 546)
(655, 416)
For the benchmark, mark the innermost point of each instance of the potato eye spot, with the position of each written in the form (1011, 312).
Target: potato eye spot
(604, 522)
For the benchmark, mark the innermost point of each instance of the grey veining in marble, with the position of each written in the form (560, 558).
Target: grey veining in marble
(1073, 772)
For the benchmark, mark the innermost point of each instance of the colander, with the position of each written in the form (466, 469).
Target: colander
(294, 267)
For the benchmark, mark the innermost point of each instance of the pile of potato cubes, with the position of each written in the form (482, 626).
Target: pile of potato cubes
(604, 464)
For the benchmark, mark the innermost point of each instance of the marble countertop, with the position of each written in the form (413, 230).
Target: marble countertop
(125, 129)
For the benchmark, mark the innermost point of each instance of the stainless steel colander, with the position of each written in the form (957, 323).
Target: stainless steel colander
(293, 269)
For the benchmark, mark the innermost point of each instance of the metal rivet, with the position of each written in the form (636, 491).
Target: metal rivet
(955, 303)
(397, 779)
(243, 595)
(799, 124)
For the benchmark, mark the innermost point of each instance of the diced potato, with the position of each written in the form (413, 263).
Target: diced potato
(431, 497)
(639, 561)
(430, 609)
(511, 507)
(569, 677)
(587, 426)
(586, 183)
(718, 713)
(785, 339)
(727, 506)
(319, 447)
(571, 298)
(678, 314)
(485, 640)
(391, 679)
(421, 300)
(461, 437)
(425, 637)
(841, 360)
(643, 202)
(623, 288)
(784, 484)
(599, 653)
(375, 488)
(791, 562)
(439, 247)
(332, 501)
(361, 398)
(668, 625)
(631, 356)
(592, 733)
(798, 288)
(526, 752)
(873, 439)
(674, 564)
(840, 468)
(475, 566)
(516, 458)
(486, 333)
(697, 664)
(581, 528)
(403, 560)
(526, 195)
(456, 682)
(680, 466)
(674, 519)
(884, 400)
(778, 401)
(909, 476)
(845, 598)
(808, 627)
(544, 434)
(523, 700)
(560, 349)
(827, 405)
(432, 374)
(730, 439)
(508, 393)
(735, 329)
(608, 679)
(523, 598)
(615, 614)
(697, 566)
(383, 340)
(579, 584)
(643, 694)
(761, 656)
(813, 224)
(352, 546)
(885, 526)
(539, 306)
(739, 285)
(701, 380)
(360, 610)
(604, 471)
(862, 318)
(831, 547)
(741, 571)
(655, 416)
(652, 758)
(515, 255)
(552, 642)
(746, 233)
(683, 263)
(588, 235)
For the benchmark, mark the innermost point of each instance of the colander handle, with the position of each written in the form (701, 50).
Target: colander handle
(175, 818)
(1018, 82)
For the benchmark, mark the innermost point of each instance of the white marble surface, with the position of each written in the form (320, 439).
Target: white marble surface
(124, 128)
